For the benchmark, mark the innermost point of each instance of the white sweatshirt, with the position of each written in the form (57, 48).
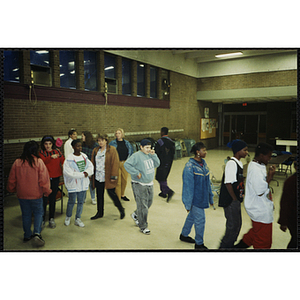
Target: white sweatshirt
(259, 208)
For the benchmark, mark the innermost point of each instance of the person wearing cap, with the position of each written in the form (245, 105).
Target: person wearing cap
(141, 166)
(288, 208)
(53, 159)
(232, 193)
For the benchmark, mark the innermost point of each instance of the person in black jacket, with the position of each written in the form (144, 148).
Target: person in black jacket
(232, 193)
(288, 209)
(165, 150)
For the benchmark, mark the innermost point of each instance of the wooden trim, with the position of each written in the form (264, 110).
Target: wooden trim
(21, 91)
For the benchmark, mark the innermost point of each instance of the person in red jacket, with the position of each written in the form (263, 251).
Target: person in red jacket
(53, 160)
(30, 179)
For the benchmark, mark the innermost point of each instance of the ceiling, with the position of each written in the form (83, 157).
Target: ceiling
(208, 55)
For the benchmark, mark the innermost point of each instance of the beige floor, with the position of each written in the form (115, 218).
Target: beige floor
(165, 220)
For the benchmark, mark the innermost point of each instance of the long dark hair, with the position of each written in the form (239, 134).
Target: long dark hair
(30, 151)
(89, 140)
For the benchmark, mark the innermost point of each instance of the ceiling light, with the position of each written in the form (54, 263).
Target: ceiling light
(228, 54)
(42, 52)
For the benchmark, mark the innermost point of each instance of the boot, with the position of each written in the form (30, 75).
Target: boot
(122, 213)
(241, 245)
(97, 216)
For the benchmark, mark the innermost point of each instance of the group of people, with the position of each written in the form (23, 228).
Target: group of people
(197, 196)
(99, 165)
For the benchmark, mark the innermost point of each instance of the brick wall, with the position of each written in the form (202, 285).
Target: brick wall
(251, 80)
(25, 119)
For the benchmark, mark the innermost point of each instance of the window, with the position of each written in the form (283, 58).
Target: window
(90, 71)
(153, 82)
(126, 77)
(110, 73)
(67, 69)
(40, 68)
(11, 66)
(141, 80)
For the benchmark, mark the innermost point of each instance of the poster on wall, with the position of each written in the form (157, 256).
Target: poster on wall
(208, 128)
(206, 112)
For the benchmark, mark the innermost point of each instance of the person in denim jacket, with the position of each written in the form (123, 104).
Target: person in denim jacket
(196, 195)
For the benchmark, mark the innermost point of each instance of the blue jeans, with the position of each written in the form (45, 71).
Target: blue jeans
(29, 207)
(92, 191)
(195, 217)
(71, 202)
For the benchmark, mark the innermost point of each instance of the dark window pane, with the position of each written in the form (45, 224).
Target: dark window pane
(11, 66)
(90, 71)
(153, 82)
(39, 58)
(109, 66)
(141, 80)
(67, 69)
(126, 77)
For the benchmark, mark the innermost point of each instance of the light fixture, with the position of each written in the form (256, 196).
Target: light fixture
(229, 54)
(42, 52)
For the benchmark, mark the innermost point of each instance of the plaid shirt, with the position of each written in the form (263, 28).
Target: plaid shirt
(88, 151)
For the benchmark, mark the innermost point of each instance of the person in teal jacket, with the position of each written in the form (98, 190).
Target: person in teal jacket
(196, 195)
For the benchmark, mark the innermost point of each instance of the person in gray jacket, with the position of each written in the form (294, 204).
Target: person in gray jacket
(141, 166)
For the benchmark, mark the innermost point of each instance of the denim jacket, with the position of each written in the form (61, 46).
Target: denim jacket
(128, 145)
(196, 188)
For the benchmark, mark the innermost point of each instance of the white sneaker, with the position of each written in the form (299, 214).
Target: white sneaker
(135, 219)
(79, 223)
(145, 231)
(52, 223)
(67, 221)
(94, 201)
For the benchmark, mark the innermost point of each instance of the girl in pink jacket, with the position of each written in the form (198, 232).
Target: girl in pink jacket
(29, 178)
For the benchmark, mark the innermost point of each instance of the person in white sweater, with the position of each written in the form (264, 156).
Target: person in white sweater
(76, 170)
(258, 200)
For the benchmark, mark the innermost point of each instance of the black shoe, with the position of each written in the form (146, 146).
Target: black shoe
(200, 247)
(170, 195)
(25, 240)
(241, 245)
(187, 239)
(38, 241)
(125, 198)
(122, 214)
(162, 195)
(97, 216)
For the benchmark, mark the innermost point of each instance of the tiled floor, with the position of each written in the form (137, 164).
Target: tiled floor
(165, 220)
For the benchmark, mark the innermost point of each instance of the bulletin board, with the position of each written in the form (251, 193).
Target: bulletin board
(207, 128)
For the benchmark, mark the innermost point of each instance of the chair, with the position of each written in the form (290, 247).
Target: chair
(60, 195)
(288, 163)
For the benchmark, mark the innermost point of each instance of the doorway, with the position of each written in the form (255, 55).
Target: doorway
(249, 127)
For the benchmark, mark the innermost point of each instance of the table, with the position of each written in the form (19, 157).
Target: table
(287, 144)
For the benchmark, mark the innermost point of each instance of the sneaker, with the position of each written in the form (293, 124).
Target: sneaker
(79, 223)
(135, 219)
(67, 221)
(125, 198)
(37, 240)
(145, 231)
(187, 239)
(52, 223)
(94, 201)
(25, 240)
(170, 195)
(162, 195)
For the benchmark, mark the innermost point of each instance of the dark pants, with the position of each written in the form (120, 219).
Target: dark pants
(293, 242)
(100, 187)
(233, 224)
(54, 182)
